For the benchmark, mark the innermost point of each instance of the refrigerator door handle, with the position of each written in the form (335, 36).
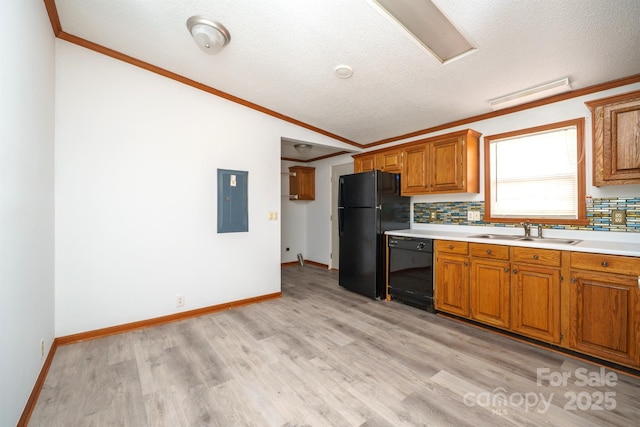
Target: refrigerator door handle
(340, 221)
(379, 207)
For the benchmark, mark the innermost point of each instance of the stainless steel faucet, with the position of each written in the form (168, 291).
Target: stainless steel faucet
(527, 228)
(539, 231)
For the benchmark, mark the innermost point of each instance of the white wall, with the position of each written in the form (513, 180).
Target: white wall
(318, 218)
(136, 160)
(294, 220)
(319, 233)
(551, 113)
(306, 225)
(26, 200)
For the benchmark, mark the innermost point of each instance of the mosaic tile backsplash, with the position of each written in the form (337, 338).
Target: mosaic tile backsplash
(599, 213)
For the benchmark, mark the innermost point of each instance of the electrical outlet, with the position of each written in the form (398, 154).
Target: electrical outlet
(41, 348)
(433, 215)
(473, 215)
(179, 300)
(618, 217)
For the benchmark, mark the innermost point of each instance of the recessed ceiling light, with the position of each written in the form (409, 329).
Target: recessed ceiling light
(343, 71)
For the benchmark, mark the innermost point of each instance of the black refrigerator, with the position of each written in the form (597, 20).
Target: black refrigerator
(369, 204)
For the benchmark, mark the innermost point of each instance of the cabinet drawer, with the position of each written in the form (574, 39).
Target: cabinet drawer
(607, 263)
(489, 251)
(452, 247)
(536, 256)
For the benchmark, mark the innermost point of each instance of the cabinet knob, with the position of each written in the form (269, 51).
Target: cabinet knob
(604, 264)
(506, 269)
(488, 251)
(573, 280)
(535, 256)
(450, 246)
(515, 271)
(465, 264)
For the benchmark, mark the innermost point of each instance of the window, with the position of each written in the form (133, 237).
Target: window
(536, 174)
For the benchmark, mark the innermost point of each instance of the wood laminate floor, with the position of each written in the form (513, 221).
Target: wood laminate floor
(323, 356)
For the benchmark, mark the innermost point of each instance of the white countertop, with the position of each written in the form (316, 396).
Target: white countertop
(608, 243)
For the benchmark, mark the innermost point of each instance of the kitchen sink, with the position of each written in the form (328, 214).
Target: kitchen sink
(549, 240)
(554, 240)
(496, 236)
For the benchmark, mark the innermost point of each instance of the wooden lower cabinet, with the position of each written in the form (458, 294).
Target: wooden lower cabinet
(604, 316)
(535, 302)
(452, 277)
(490, 291)
(452, 292)
(586, 302)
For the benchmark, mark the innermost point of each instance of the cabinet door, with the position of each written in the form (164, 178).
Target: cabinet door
(616, 141)
(452, 284)
(414, 169)
(307, 184)
(389, 161)
(535, 302)
(490, 292)
(622, 141)
(446, 167)
(364, 163)
(603, 313)
(302, 183)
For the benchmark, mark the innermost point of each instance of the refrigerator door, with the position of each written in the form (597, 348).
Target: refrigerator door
(359, 249)
(357, 190)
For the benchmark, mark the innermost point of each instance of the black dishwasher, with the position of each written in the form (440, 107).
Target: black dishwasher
(410, 279)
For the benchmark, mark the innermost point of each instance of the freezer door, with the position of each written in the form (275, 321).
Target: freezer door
(395, 210)
(357, 190)
(359, 251)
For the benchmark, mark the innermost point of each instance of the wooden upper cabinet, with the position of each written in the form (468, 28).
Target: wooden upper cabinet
(414, 170)
(443, 164)
(302, 183)
(447, 165)
(389, 161)
(364, 163)
(616, 139)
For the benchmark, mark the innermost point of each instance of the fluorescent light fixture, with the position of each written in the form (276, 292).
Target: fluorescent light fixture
(428, 26)
(532, 94)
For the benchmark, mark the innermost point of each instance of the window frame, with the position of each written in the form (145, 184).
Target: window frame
(580, 171)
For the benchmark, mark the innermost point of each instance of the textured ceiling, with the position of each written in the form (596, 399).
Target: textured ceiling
(283, 53)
